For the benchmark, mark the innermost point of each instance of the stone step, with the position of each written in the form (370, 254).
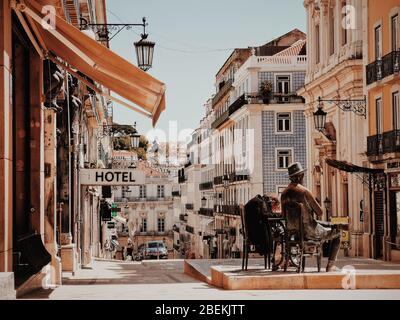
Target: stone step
(7, 291)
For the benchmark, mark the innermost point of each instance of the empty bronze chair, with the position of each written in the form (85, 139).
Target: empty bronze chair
(256, 231)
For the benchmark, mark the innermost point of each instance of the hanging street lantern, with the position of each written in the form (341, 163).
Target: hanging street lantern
(320, 117)
(225, 181)
(203, 202)
(107, 31)
(135, 139)
(144, 50)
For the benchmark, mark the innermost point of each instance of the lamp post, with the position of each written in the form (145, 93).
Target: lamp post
(144, 48)
(357, 106)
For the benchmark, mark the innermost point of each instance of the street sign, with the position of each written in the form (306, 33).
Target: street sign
(112, 177)
(345, 234)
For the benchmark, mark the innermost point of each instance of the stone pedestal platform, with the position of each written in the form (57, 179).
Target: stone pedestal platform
(354, 274)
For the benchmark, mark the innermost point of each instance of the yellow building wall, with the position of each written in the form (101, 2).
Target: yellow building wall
(385, 92)
(380, 12)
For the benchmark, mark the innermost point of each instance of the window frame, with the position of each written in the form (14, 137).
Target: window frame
(379, 116)
(290, 160)
(160, 191)
(277, 131)
(394, 32)
(142, 191)
(378, 44)
(143, 224)
(159, 220)
(396, 110)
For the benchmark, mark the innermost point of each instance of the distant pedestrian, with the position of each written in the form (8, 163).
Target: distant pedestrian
(107, 249)
(129, 249)
(214, 248)
(225, 246)
(235, 251)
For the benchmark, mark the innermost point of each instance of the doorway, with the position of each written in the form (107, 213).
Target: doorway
(22, 155)
(394, 219)
(379, 209)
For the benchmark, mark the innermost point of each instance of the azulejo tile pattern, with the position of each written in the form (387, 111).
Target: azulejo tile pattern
(271, 141)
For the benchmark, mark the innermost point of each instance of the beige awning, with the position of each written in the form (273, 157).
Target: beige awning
(96, 61)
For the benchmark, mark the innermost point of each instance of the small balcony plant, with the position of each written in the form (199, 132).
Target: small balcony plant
(266, 91)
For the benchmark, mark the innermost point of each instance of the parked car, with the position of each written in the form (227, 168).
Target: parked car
(155, 250)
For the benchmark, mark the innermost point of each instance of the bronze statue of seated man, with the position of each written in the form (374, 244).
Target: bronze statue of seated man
(313, 229)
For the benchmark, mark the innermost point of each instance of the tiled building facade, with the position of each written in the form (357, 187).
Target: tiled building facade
(295, 141)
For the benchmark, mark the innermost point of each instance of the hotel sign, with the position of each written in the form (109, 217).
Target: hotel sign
(111, 177)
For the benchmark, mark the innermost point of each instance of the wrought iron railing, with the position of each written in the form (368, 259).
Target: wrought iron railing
(176, 194)
(190, 229)
(218, 180)
(220, 120)
(206, 185)
(233, 209)
(222, 92)
(238, 103)
(206, 212)
(381, 68)
(189, 206)
(383, 143)
(183, 217)
(138, 199)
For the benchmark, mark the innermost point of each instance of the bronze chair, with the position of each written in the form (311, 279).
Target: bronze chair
(262, 242)
(296, 245)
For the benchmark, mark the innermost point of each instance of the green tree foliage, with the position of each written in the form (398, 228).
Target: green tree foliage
(122, 140)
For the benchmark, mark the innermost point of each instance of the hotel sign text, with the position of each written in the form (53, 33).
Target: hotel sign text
(111, 177)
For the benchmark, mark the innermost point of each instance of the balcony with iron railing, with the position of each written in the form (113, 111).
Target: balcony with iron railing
(190, 229)
(138, 199)
(221, 119)
(189, 206)
(256, 98)
(382, 68)
(183, 217)
(154, 233)
(222, 92)
(232, 209)
(176, 194)
(206, 185)
(218, 180)
(206, 212)
(380, 144)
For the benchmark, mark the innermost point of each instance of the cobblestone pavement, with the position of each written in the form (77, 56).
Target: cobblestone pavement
(165, 280)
